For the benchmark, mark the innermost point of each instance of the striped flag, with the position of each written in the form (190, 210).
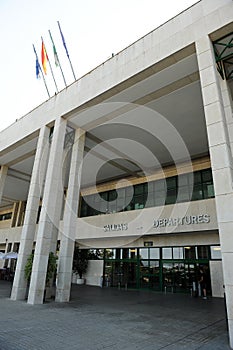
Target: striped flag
(44, 57)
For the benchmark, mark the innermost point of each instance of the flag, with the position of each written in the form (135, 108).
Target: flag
(38, 67)
(55, 56)
(56, 59)
(57, 62)
(63, 40)
(44, 58)
(64, 44)
(39, 70)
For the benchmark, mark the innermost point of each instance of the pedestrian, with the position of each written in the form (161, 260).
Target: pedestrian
(203, 282)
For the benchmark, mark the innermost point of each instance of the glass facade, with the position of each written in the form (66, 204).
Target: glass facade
(166, 268)
(175, 189)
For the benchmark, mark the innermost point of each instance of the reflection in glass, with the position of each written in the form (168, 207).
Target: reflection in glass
(154, 267)
(144, 253)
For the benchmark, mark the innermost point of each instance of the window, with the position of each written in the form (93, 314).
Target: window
(138, 189)
(154, 266)
(96, 254)
(110, 253)
(202, 252)
(144, 253)
(6, 216)
(150, 200)
(183, 191)
(182, 188)
(189, 253)
(139, 202)
(112, 195)
(167, 253)
(216, 252)
(178, 253)
(144, 266)
(154, 253)
(197, 192)
(160, 198)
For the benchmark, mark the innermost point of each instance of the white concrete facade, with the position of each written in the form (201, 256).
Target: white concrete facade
(158, 109)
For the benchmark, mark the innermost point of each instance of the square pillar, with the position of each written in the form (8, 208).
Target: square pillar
(50, 215)
(3, 175)
(29, 227)
(228, 108)
(221, 161)
(70, 219)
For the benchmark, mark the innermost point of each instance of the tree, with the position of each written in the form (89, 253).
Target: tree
(51, 268)
(80, 262)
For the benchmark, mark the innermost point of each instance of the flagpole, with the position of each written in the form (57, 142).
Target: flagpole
(67, 53)
(39, 69)
(56, 55)
(50, 65)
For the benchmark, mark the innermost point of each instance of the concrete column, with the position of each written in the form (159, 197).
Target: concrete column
(14, 214)
(7, 250)
(50, 216)
(29, 228)
(20, 213)
(70, 219)
(228, 108)
(221, 160)
(3, 175)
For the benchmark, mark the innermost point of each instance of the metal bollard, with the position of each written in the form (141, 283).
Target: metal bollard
(126, 287)
(119, 285)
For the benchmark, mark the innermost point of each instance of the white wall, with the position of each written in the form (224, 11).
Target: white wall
(94, 272)
(216, 276)
(141, 222)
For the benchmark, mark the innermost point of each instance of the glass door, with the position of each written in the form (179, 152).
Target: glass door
(150, 274)
(121, 274)
(180, 276)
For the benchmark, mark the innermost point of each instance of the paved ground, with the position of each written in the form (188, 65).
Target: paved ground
(113, 319)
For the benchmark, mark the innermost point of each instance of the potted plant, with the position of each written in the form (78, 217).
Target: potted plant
(80, 263)
(51, 269)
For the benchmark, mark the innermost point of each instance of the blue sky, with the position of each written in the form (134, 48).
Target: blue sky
(93, 30)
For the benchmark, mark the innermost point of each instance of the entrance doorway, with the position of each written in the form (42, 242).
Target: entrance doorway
(180, 276)
(121, 274)
(134, 268)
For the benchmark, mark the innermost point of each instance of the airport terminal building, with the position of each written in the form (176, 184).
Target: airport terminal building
(132, 162)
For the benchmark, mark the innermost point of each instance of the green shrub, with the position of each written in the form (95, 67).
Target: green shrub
(51, 268)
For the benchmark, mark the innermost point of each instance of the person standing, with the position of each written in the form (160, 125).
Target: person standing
(203, 282)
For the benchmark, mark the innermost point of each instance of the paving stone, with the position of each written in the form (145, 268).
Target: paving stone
(104, 318)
